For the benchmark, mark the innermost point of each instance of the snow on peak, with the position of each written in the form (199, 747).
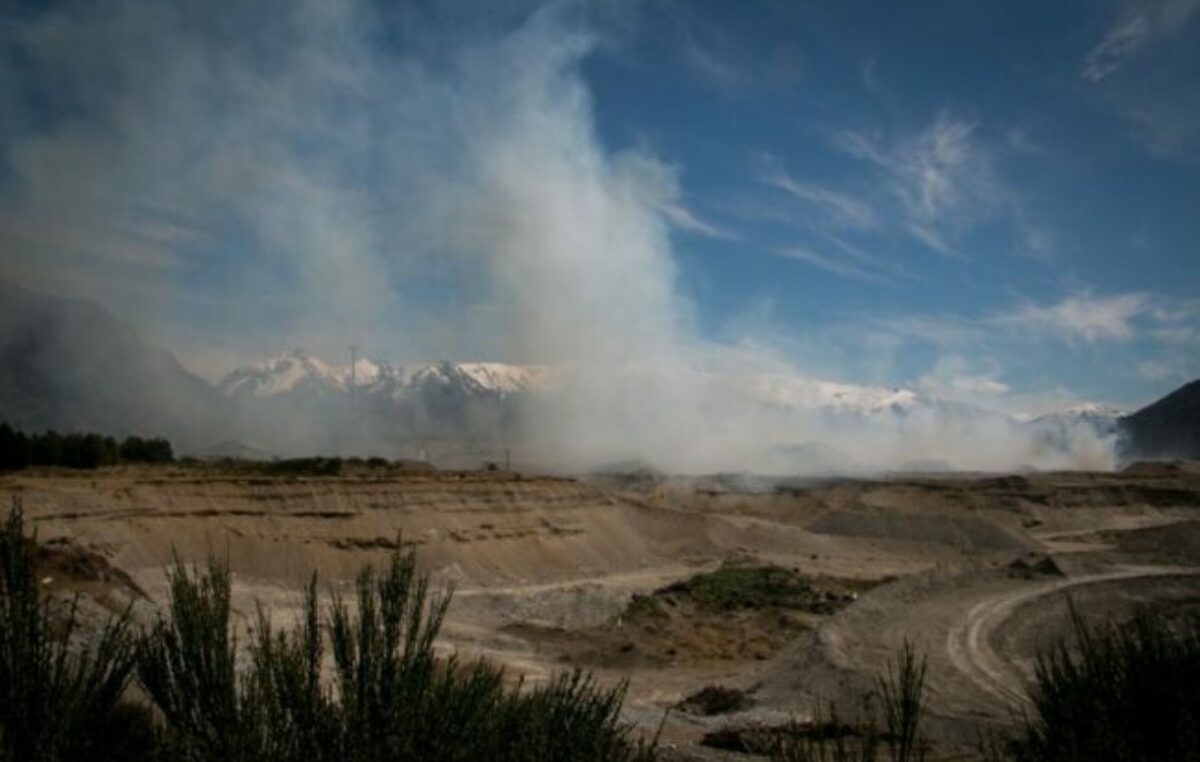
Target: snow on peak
(508, 379)
(280, 374)
(800, 392)
(1094, 410)
(298, 371)
(1084, 411)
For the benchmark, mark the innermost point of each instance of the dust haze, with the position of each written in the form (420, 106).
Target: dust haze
(426, 180)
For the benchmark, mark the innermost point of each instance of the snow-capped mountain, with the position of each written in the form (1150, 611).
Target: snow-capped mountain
(448, 408)
(297, 373)
(800, 393)
(1101, 417)
(294, 371)
(1060, 430)
(76, 367)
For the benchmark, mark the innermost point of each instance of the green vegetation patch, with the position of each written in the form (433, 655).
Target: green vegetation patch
(303, 467)
(734, 587)
(20, 450)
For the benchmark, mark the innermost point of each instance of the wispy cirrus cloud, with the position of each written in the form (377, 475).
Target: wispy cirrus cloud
(832, 263)
(1121, 42)
(1138, 336)
(824, 216)
(1153, 370)
(1136, 27)
(687, 220)
(1129, 74)
(1078, 318)
(838, 209)
(942, 177)
(1082, 317)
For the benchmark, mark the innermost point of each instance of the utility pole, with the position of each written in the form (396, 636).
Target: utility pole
(353, 391)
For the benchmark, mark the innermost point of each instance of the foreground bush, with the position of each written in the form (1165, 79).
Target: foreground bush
(391, 697)
(1117, 693)
(901, 691)
(58, 702)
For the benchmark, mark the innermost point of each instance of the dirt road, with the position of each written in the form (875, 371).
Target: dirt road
(970, 642)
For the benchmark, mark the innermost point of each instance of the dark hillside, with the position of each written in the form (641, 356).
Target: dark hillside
(71, 366)
(1169, 428)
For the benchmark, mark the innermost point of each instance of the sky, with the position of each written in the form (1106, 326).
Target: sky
(990, 201)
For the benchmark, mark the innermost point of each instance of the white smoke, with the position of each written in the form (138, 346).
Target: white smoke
(424, 179)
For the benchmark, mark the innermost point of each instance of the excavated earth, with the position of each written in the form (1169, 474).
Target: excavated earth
(975, 570)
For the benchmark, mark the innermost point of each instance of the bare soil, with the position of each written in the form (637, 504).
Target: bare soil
(974, 569)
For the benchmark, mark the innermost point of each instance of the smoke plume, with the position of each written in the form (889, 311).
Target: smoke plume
(423, 179)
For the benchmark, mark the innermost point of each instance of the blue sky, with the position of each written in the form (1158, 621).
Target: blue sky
(1011, 185)
(993, 201)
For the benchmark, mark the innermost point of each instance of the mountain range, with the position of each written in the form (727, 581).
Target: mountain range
(296, 372)
(70, 365)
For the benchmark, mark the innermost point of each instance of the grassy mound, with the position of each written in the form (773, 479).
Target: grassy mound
(732, 587)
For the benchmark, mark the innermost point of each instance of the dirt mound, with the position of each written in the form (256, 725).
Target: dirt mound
(61, 561)
(490, 529)
(737, 612)
(715, 699)
(1033, 566)
(1176, 543)
(966, 533)
(1156, 468)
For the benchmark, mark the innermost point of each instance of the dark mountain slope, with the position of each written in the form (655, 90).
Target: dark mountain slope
(70, 365)
(1169, 428)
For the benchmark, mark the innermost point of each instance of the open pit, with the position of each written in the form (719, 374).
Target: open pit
(608, 572)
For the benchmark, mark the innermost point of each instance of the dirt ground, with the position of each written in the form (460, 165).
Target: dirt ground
(975, 570)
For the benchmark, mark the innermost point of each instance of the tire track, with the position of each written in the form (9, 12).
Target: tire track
(969, 642)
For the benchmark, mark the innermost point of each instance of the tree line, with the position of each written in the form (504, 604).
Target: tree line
(20, 450)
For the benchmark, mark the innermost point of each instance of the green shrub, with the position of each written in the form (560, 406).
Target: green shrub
(901, 691)
(57, 701)
(303, 466)
(188, 666)
(731, 587)
(1122, 692)
(391, 698)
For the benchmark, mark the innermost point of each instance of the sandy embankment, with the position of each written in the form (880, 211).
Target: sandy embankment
(532, 556)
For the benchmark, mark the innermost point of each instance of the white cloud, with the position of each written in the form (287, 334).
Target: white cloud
(942, 177)
(687, 220)
(835, 265)
(1081, 317)
(1152, 370)
(938, 330)
(1134, 74)
(708, 67)
(839, 209)
(1138, 25)
(954, 377)
(1121, 42)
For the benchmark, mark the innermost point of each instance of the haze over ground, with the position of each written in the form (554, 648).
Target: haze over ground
(984, 204)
